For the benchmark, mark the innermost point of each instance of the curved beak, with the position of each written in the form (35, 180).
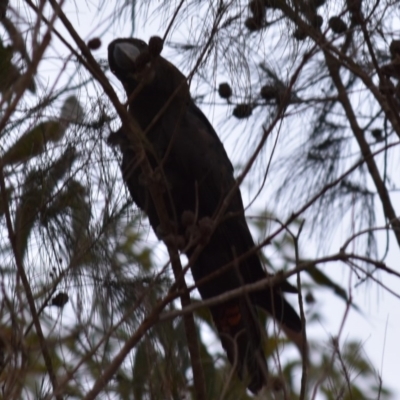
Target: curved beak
(125, 55)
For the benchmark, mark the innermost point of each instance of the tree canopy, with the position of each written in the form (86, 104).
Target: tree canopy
(305, 96)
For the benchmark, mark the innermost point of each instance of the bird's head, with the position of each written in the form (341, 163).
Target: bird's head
(130, 60)
(137, 64)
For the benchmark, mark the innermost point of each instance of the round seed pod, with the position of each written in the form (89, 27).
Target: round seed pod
(300, 34)
(309, 298)
(317, 21)
(224, 90)
(242, 111)
(337, 25)
(60, 300)
(253, 24)
(377, 134)
(155, 46)
(94, 44)
(269, 92)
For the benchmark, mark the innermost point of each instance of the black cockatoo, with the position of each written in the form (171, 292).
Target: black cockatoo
(198, 175)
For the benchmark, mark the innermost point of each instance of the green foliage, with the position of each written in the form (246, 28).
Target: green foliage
(37, 190)
(33, 142)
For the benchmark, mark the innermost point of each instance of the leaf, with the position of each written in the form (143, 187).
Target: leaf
(67, 197)
(60, 300)
(141, 371)
(323, 280)
(33, 142)
(71, 111)
(81, 210)
(36, 191)
(27, 210)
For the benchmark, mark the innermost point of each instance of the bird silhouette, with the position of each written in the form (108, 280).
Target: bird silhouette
(198, 175)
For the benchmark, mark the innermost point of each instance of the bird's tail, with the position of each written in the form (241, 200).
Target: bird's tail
(239, 331)
(275, 304)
